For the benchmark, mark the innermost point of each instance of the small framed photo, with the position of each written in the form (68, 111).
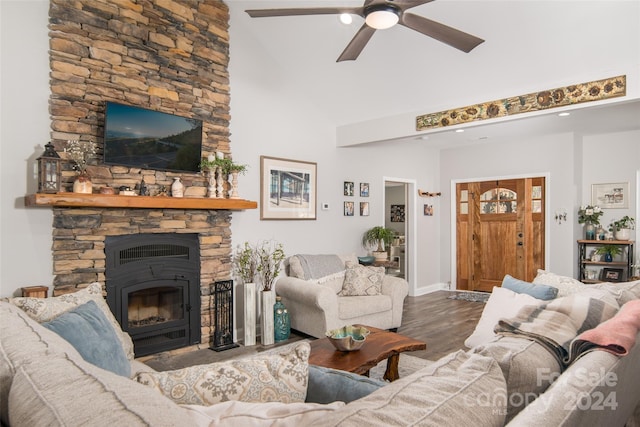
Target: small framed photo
(364, 189)
(428, 210)
(349, 207)
(349, 188)
(397, 213)
(612, 274)
(364, 208)
(610, 196)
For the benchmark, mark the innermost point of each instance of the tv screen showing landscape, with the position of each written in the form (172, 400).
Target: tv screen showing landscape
(148, 139)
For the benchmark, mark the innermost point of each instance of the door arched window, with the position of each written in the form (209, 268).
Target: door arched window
(498, 201)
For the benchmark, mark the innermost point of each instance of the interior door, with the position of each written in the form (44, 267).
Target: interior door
(499, 231)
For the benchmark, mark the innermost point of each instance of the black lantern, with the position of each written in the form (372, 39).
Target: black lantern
(49, 170)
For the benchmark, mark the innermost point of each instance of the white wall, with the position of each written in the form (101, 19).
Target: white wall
(25, 234)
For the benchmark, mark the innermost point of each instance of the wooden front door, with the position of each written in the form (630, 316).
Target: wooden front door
(499, 231)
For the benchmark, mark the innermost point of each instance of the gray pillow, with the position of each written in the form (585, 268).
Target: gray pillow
(87, 329)
(543, 292)
(330, 385)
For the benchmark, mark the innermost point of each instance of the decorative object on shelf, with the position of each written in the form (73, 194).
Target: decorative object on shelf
(235, 170)
(267, 336)
(208, 167)
(590, 217)
(281, 320)
(143, 189)
(107, 190)
(49, 170)
(621, 228)
(609, 251)
(288, 189)
(348, 338)
(380, 236)
(219, 183)
(611, 196)
(177, 188)
(601, 234)
(612, 274)
(81, 152)
(245, 268)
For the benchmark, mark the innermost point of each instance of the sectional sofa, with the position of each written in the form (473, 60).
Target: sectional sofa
(508, 379)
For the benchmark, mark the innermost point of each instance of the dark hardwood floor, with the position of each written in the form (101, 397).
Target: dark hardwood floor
(442, 323)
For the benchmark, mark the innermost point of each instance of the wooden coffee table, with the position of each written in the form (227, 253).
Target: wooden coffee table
(380, 345)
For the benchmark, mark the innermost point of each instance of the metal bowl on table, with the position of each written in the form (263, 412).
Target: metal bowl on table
(348, 338)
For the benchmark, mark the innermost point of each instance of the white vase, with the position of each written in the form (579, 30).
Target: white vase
(250, 314)
(267, 336)
(82, 184)
(177, 188)
(623, 234)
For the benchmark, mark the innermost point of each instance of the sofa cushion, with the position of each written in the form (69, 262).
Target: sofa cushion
(330, 385)
(275, 377)
(542, 292)
(527, 366)
(89, 331)
(566, 285)
(459, 389)
(46, 309)
(351, 307)
(360, 280)
(502, 303)
(54, 390)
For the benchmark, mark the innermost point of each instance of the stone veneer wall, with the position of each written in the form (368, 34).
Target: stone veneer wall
(166, 55)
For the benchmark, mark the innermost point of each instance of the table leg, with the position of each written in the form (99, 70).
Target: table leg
(391, 374)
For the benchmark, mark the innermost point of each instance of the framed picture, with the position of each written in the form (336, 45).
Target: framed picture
(428, 210)
(610, 196)
(364, 208)
(349, 208)
(287, 189)
(397, 213)
(349, 188)
(612, 274)
(364, 189)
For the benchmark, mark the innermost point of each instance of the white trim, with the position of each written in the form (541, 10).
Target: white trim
(547, 199)
(411, 219)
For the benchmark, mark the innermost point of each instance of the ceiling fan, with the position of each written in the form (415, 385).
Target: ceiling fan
(379, 15)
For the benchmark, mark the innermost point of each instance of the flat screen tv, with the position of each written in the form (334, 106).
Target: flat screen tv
(142, 138)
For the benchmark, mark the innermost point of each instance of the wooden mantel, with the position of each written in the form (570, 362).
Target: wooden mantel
(76, 200)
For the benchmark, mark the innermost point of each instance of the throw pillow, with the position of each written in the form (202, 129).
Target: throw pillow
(502, 303)
(276, 377)
(360, 280)
(330, 385)
(566, 285)
(46, 309)
(542, 292)
(87, 329)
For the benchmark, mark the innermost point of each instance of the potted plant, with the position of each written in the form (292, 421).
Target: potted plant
(81, 153)
(234, 169)
(622, 227)
(590, 216)
(269, 256)
(380, 236)
(609, 251)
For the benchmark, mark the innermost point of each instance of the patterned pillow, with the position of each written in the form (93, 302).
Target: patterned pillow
(276, 377)
(46, 309)
(360, 280)
(566, 285)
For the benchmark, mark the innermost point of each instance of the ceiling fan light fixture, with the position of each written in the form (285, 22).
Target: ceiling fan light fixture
(346, 19)
(382, 16)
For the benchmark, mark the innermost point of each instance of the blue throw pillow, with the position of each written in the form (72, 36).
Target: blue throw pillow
(542, 292)
(330, 385)
(88, 330)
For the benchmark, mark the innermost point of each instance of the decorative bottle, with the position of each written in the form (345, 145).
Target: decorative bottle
(177, 188)
(281, 320)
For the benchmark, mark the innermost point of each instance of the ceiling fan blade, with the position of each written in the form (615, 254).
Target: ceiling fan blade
(357, 43)
(265, 13)
(455, 38)
(408, 4)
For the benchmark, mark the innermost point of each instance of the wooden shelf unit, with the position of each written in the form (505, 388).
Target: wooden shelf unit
(584, 261)
(76, 200)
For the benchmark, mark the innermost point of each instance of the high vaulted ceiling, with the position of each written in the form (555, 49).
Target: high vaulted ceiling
(530, 45)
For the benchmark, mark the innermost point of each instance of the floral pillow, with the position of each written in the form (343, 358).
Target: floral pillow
(275, 377)
(360, 280)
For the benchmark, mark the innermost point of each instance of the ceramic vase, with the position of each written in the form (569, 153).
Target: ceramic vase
(250, 313)
(622, 234)
(266, 319)
(281, 321)
(177, 188)
(82, 184)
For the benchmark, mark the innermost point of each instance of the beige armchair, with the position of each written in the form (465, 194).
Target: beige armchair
(315, 305)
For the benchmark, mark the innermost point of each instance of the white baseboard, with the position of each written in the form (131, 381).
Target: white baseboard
(432, 288)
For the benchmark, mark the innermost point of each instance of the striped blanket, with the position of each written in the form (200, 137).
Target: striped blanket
(557, 323)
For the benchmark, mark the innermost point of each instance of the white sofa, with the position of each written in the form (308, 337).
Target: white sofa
(313, 296)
